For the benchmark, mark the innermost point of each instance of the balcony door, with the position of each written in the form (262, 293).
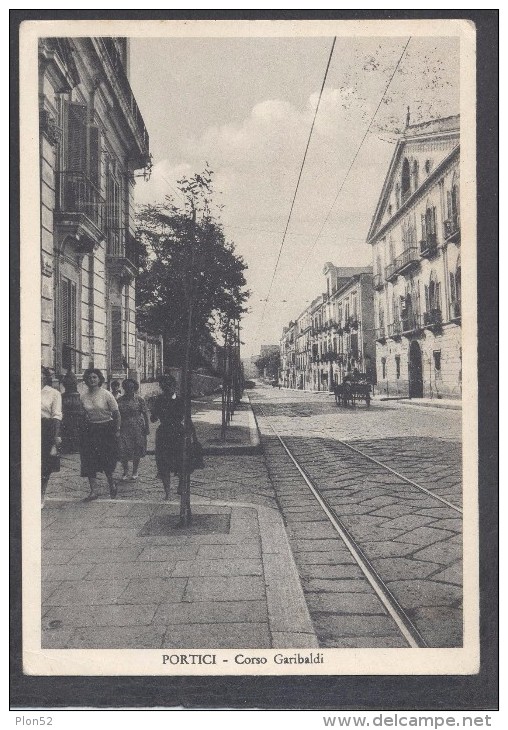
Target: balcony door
(415, 370)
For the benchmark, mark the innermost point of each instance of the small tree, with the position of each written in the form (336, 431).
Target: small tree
(191, 282)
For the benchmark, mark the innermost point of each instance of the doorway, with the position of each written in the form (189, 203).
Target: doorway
(415, 370)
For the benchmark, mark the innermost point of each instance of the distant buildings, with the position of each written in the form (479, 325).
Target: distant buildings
(415, 237)
(92, 142)
(333, 335)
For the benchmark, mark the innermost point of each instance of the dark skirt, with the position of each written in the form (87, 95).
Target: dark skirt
(168, 448)
(49, 463)
(98, 448)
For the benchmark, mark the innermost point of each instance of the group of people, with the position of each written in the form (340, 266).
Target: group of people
(114, 427)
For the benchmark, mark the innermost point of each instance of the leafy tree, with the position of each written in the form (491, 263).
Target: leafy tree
(270, 362)
(185, 257)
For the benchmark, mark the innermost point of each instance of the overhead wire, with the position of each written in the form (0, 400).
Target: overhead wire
(353, 160)
(298, 182)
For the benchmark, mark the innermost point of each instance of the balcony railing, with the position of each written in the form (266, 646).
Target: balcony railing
(395, 328)
(408, 259)
(123, 245)
(381, 333)
(428, 245)
(411, 322)
(452, 227)
(125, 86)
(455, 310)
(79, 195)
(377, 281)
(433, 318)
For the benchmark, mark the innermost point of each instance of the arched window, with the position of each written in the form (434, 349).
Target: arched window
(415, 174)
(397, 195)
(405, 180)
(455, 291)
(429, 223)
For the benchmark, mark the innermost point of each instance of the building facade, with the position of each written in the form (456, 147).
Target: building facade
(415, 239)
(93, 142)
(334, 335)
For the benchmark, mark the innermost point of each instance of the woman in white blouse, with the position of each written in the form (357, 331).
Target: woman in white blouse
(51, 419)
(100, 433)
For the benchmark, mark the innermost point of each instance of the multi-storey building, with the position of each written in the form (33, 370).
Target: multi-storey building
(287, 347)
(92, 142)
(334, 334)
(415, 239)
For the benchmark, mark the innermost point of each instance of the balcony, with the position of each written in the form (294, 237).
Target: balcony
(411, 322)
(81, 210)
(428, 245)
(381, 333)
(395, 329)
(455, 311)
(134, 115)
(353, 323)
(433, 318)
(122, 253)
(377, 282)
(407, 260)
(451, 228)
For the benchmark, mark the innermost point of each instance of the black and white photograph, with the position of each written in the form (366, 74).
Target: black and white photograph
(255, 320)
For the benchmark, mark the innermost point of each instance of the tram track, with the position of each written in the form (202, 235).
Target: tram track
(317, 461)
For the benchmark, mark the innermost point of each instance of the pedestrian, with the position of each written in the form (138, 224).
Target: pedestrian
(168, 409)
(51, 419)
(116, 389)
(99, 434)
(134, 429)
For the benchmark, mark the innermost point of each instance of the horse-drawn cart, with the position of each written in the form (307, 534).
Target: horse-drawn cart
(348, 393)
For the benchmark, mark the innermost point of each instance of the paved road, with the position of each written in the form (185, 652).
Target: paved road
(413, 541)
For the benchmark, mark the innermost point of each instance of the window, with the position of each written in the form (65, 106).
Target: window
(405, 180)
(390, 209)
(433, 294)
(383, 367)
(437, 360)
(415, 174)
(116, 337)
(68, 309)
(428, 166)
(397, 366)
(429, 224)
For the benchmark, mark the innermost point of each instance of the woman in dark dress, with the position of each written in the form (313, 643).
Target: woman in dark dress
(168, 409)
(51, 419)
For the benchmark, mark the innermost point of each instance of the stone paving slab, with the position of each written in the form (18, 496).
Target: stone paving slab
(211, 636)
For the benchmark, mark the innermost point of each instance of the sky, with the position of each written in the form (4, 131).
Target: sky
(245, 106)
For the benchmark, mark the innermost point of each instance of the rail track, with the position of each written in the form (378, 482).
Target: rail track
(318, 475)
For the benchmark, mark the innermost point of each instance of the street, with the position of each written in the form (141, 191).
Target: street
(262, 565)
(411, 540)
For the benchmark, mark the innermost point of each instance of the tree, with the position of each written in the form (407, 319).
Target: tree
(191, 283)
(169, 237)
(269, 363)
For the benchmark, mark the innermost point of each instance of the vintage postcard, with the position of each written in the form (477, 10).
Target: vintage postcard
(248, 273)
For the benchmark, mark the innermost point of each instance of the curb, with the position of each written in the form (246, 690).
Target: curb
(437, 403)
(255, 443)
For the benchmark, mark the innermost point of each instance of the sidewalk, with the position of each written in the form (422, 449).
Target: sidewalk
(121, 573)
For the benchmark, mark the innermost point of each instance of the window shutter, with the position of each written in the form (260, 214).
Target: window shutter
(94, 155)
(69, 312)
(427, 298)
(449, 204)
(116, 337)
(453, 291)
(424, 228)
(76, 137)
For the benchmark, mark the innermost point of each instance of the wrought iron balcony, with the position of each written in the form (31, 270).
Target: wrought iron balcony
(455, 310)
(411, 322)
(428, 245)
(80, 209)
(377, 281)
(395, 329)
(122, 253)
(433, 318)
(452, 228)
(407, 260)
